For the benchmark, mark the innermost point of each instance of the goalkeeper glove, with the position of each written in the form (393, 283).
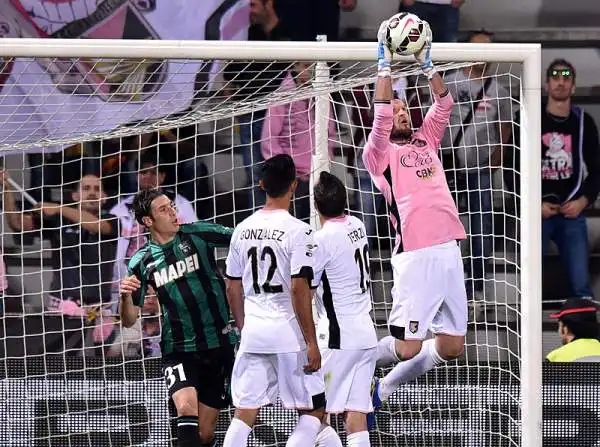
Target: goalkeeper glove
(384, 54)
(423, 57)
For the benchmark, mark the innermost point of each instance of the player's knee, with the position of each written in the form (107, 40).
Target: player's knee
(407, 349)
(247, 416)
(186, 402)
(319, 413)
(355, 422)
(450, 347)
(207, 436)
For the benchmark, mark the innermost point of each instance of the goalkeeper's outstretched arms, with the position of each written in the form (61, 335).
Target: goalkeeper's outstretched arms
(375, 153)
(438, 116)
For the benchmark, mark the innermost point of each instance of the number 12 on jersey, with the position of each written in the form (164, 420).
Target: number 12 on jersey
(362, 259)
(267, 287)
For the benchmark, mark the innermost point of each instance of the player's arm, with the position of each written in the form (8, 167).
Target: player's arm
(17, 220)
(234, 271)
(92, 223)
(235, 298)
(214, 235)
(375, 153)
(132, 290)
(438, 115)
(302, 249)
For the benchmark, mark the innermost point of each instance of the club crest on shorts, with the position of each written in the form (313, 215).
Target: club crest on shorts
(413, 327)
(185, 248)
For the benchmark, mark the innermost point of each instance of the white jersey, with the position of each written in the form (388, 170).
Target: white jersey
(267, 250)
(343, 295)
(133, 236)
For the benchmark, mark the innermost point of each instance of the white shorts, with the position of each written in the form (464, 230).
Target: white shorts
(348, 375)
(429, 293)
(257, 380)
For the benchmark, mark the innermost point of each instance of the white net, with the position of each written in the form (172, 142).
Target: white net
(197, 128)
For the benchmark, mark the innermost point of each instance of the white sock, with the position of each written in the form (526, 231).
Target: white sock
(386, 350)
(408, 370)
(237, 434)
(305, 433)
(328, 437)
(359, 439)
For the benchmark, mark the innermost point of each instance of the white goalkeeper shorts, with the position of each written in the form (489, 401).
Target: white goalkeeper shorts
(429, 293)
(348, 374)
(258, 379)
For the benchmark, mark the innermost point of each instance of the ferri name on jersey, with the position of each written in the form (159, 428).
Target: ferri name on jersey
(175, 271)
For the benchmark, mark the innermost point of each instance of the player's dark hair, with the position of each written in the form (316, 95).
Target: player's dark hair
(330, 195)
(142, 203)
(278, 174)
(582, 325)
(560, 63)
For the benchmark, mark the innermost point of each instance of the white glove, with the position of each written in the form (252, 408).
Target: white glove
(423, 57)
(384, 54)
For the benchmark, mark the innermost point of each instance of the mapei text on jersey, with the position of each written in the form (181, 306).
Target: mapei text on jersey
(175, 271)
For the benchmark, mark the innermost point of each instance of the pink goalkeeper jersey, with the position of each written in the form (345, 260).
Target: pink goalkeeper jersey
(411, 178)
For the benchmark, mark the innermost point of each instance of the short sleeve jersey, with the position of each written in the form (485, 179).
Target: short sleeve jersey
(267, 250)
(343, 295)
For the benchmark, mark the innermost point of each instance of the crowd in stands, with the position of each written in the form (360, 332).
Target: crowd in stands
(93, 242)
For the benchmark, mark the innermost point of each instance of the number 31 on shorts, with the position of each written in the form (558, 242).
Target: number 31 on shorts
(174, 373)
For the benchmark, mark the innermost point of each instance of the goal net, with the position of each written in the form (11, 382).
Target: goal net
(198, 118)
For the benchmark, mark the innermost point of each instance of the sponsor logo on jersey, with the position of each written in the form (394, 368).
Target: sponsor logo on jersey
(185, 247)
(175, 271)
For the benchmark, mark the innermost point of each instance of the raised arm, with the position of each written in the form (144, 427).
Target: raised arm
(375, 154)
(436, 119)
(17, 220)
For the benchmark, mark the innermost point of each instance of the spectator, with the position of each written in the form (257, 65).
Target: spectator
(251, 80)
(151, 175)
(442, 15)
(569, 139)
(311, 18)
(83, 238)
(578, 331)
(290, 129)
(480, 124)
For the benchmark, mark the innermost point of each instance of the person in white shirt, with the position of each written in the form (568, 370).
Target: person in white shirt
(133, 236)
(345, 332)
(270, 263)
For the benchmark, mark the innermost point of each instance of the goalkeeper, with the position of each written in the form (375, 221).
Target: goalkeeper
(429, 290)
(197, 342)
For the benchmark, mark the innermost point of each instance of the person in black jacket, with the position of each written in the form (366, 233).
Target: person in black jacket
(569, 141)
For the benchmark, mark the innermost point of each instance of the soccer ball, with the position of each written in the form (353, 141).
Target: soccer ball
(406, 34)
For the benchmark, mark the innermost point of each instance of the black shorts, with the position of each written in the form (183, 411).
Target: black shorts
(209, 372)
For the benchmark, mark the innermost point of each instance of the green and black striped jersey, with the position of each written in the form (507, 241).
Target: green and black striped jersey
(190, 289)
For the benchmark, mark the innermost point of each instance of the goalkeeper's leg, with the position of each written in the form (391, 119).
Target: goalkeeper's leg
(428, 293)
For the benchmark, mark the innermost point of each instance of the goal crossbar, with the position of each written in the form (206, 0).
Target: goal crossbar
(235, 50)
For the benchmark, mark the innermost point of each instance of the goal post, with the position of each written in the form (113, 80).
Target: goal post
(332, 91)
